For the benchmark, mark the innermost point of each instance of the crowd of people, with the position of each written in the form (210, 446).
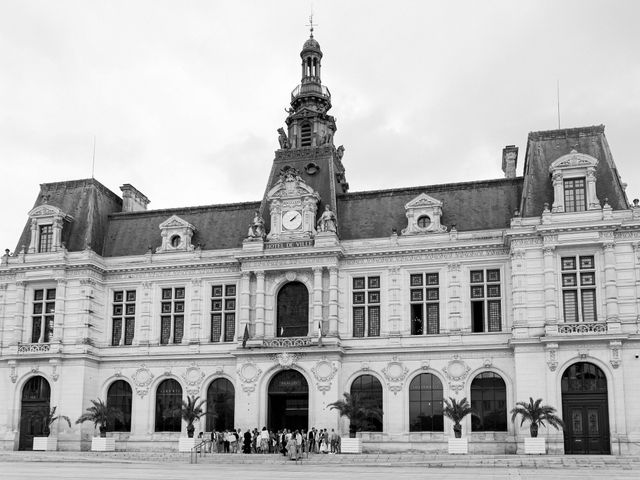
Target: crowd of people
(291, 443)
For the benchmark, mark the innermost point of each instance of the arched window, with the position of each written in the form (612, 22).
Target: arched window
(119, 396)
(489, 402)
(369, 392)
(425, 404)
(221, 398)
(293, 310)
(584, 377)
(305, 135)
(36, 395)
(168, 399)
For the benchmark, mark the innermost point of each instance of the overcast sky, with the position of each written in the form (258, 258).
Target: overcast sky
(185, 97)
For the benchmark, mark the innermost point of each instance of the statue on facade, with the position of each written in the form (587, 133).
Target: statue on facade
(328, 221)
(282, 138)
(257, 230)
(340, 152)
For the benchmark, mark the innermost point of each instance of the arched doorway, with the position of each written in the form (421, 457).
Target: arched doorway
(368, 390)
(585, 410)
(288, 401)
(36, 397)
(293, 310)
(221, 401)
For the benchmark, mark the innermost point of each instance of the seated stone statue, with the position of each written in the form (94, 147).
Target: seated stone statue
(327, 221)
(282, 138)
(257, 230)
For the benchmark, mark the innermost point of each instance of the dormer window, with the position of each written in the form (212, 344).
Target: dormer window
(47, 223)
(574, 183)
(176, 235)
(423, 216)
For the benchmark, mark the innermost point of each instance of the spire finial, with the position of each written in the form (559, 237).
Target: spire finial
(311, 24)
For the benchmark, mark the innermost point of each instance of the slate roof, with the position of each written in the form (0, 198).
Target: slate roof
(544, 147)
(476, 205)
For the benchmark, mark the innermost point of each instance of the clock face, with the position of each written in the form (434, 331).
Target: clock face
(291, 219)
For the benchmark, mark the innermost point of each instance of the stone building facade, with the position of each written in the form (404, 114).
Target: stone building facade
(494, 290)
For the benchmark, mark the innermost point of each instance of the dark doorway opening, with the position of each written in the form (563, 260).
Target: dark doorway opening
(293, 310)
(585, 410)
(288, 401)
(36, 396)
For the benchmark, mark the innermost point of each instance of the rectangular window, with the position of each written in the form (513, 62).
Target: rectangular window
(366, 306)
(575, 199)
(172, 318)
(44, 307)
(45, 240)
(578, 289)
(123, 317)
(223, 313)
(425, 303)
(486, 301)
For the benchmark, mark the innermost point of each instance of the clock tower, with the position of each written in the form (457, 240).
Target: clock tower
(307, 173)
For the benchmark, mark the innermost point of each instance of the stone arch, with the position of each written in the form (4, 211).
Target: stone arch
(35, 400)
(223, 401)
(425, 404)
(493, 418)
(292, 310)
(120, 396)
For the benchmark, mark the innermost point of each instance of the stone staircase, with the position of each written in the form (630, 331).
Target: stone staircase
(372, 459)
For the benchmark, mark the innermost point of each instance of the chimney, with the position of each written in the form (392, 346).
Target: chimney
(132, 199)
(509, 161)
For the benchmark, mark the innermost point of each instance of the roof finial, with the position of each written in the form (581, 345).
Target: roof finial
(311, 24)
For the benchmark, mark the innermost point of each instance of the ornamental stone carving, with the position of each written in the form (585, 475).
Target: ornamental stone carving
(615, 346)
(13, 372)
(142, 378)
(286, 359)
(552, 356)
(193, 377)
(324, 371)
(395, 372)
(176, 235)
(456, 372)
(423, 216)
(248, 374)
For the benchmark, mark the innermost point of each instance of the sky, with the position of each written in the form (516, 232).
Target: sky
(184, 98)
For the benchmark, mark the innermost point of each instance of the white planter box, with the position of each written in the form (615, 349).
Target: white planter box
(185, 444)
(45, 444)
(350, 445)
(458, 446)
(103, 444)
(535, 446)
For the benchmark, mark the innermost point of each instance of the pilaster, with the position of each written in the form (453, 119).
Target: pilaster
(260, 276)
(333, 301)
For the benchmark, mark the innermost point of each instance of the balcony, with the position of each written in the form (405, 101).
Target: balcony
(288, 342)
(582, 328)
(26, 348)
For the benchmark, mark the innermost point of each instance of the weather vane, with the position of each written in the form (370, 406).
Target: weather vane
(311, 24)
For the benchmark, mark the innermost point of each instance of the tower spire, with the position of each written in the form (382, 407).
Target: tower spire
(311, 24)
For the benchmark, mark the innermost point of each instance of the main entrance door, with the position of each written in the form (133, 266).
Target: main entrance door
(585, 410)
(36, 395)
(288, 401)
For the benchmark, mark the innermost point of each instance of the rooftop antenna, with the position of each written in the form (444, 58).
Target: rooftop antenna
(93, 162)
(558, 100)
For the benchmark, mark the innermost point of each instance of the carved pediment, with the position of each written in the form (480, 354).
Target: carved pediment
(573, 160)
(48, 211)
(423, 215)
(423, 200)
(176, 235)
(176, 222)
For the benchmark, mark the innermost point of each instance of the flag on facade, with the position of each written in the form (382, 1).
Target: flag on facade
(245, 337)
(320, 333)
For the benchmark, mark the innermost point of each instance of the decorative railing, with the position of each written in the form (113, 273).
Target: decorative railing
(582, 328)
(34, 348)
(287, 342)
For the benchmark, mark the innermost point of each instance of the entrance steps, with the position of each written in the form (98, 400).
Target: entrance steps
(373, 459)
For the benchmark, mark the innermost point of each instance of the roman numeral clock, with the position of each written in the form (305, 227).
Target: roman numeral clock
(292, 205)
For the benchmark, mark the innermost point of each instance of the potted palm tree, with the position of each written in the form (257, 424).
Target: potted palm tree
(456, 411)
(101, 415)
(536, 414)
(361, 415)
(190, 411)
(48, 417)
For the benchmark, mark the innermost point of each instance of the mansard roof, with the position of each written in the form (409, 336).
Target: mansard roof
(545, 147)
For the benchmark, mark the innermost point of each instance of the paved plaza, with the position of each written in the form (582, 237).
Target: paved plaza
(85, 465)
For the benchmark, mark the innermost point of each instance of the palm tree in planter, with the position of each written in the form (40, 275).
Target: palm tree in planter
(47, 416)
(456, 411)
(537, 414)
(361, 415)
(101, 415)
(190, 411)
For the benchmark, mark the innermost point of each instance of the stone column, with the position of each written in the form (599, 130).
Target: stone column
(395, 306)
(259, 332)
(558, 193)
(454, 295)
(33, 241)
(18, 318)
(144, 330)
(317, 301)
(611, 291)
(58, 319)
(551, 316)
(197, 330)
(244, 305)
(333, 301)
